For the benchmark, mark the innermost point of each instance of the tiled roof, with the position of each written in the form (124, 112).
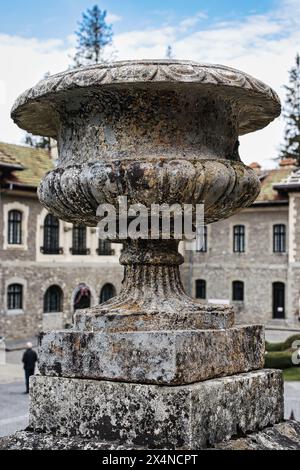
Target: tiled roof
(270, 178)
(35, 163)
(9, 161)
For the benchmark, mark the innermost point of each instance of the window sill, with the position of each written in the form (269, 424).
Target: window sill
(52, 313)
(15, 312)
(58, 252)
(15, 247)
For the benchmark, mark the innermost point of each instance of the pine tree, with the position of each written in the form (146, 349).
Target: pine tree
(93, 35)
(291, 147)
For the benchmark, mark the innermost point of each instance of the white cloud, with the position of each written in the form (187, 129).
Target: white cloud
(112, 18)
(26, 62)
(191, 21)
(262, 45)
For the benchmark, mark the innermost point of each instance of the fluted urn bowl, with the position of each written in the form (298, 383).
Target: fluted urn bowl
(155, 131)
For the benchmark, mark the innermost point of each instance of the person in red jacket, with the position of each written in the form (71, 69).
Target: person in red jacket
(29, 360)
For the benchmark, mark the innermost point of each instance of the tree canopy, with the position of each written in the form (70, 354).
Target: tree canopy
(93, 35)
(291, 113)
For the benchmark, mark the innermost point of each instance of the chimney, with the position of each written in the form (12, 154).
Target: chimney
(256, 167)
(288, 163)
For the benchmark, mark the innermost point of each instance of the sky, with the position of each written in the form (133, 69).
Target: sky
(260, 37)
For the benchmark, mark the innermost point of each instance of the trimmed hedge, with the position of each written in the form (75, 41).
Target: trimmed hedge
(278, 360)
(283, 346)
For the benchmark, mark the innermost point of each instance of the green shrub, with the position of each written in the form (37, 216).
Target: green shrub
(292, 374)
(283, 346)
(278, 360)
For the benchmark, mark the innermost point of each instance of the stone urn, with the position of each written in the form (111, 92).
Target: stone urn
(156, 132)
(170, 372)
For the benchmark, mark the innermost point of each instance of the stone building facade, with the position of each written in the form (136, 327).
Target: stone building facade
(48, 268)
(41, 286)
(252, 260)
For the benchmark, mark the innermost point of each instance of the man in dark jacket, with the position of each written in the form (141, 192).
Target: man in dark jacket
(29, 360)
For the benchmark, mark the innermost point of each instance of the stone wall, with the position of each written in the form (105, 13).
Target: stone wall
(20, 265)
(37, 280)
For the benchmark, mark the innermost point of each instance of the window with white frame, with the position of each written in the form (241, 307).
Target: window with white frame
(14, 227)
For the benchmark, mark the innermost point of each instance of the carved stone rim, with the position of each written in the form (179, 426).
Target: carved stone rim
(32, 108)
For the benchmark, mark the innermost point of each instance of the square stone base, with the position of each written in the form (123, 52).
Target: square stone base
(167, 357)
(151, 416)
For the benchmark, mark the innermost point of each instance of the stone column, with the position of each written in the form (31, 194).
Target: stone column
(151, 368)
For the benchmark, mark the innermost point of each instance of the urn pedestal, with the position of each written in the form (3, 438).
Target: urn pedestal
(152, 367)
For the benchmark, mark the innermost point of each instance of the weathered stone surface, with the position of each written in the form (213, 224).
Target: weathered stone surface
(28, 440)
(111, 319)
(183, 417)
(282, 436)
(263, 103)
(152, 295)
(235, 186)
(162, 357)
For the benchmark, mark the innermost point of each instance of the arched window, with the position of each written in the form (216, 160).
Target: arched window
(278, 300)
(239, 238)
(82, 297)
(15, 297)
(238, 291)
(79, 240)
(104, 248)
(279, 238)
(15, 227)
(200, 289)
(51, 235)
(53, 300)
(107, 292)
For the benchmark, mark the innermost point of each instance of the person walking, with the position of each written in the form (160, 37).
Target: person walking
(29, 360)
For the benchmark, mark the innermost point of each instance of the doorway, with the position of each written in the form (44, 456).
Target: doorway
(278, 300)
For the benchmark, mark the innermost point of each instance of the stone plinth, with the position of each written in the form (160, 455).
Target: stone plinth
(181, 417)
(176, 315)
(161, 357)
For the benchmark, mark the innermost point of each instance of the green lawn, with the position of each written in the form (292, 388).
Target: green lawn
(291, 374)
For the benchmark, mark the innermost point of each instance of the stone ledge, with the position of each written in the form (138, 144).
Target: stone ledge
(282, 436)
(184, 417)
(158, 357)
(178, 314)
(28, 440)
